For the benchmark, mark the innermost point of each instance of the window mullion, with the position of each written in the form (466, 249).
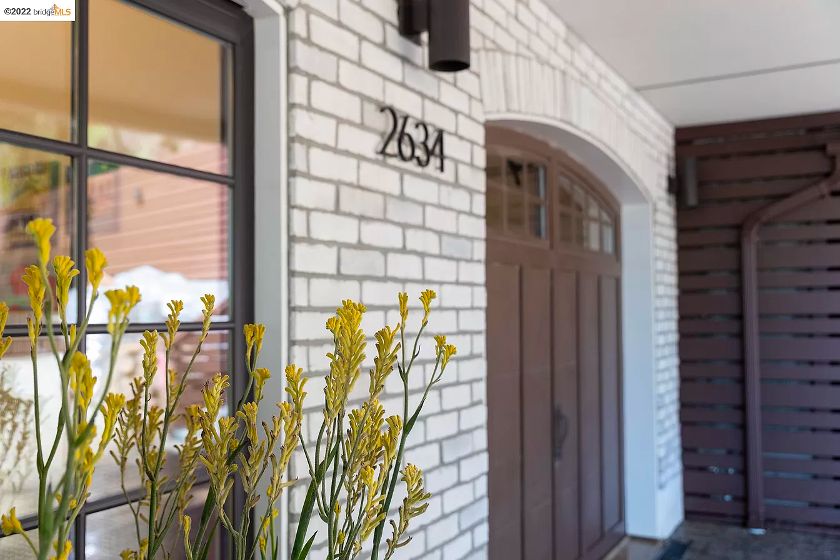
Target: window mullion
(80, 195)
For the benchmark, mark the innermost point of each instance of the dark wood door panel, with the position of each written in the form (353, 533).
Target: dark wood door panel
(503, 394)
(548, 293)
(613, 510)
(566, 474)
(589, 412)
(536, 413)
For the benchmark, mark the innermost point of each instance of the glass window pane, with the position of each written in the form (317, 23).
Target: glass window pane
(18, 474)
(494, 208)
(593, 208)
(567, 228)
(579, 198)
(536, 180)
(112, 531)
(33, 184)
(35, 78)
(15, 548)
(158, 90)
(515, 174)
(165, 234)
(564, 193)
(593, 235)
(536, 219)
(608, 239)
(215, 357)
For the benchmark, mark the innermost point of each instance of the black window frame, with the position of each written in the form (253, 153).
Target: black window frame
(226, 21)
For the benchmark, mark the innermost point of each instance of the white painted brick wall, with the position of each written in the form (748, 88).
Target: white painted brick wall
(363, 227)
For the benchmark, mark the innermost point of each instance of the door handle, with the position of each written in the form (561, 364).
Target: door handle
(561, 431)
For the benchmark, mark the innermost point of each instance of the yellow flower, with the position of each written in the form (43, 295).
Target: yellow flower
(150, 360)
(187, 523)
(448, 351)
(34, 281)
(261, 375)
(10, 523)
(81, 380)
(254, 335)
(173, 322)
(41, 230)
(295, 383)
(65, 271)
(403, 297)
(122, 303)
(5, 343)
(386, 358)
(111, 409)
(426, 299)
(95, 263)
(346, 360)
(64, 553)
(209, 301)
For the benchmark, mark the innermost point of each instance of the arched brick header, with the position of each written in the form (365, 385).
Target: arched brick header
(604, 111)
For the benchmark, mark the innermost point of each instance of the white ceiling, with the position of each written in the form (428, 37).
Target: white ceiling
(704, 61)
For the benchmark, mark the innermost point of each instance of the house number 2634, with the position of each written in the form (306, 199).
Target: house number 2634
(412, 140)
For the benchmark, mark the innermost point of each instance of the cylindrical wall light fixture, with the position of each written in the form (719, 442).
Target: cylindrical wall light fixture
(449, 35)
(448, 24)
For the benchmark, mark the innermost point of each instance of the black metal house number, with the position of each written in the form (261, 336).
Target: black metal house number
(413, 140)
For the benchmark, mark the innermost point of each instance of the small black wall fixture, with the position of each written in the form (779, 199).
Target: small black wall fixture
(448, 24)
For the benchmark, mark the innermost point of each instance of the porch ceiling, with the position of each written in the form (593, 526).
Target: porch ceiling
(718, 60)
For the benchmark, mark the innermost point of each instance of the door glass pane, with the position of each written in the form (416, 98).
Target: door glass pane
(36, 77)
(536, 180)
(158, 90)
(165, 234)
(608, 239)
(33, 184)
(566, 223)
(18, 475)
(215, 357)
(112, 531)
(593, 235)
(515, 174)
(536, 219)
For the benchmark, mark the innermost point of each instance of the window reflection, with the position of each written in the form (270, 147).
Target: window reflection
(112, 531)
(18, 473)
(35, 78)
(516, 197)
(215, 357)
(158, 90)
(167, 235)
(32, 184)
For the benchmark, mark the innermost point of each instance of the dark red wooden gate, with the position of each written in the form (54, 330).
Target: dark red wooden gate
(760, 322)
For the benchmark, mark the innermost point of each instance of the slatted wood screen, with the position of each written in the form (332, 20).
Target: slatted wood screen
(742, 167)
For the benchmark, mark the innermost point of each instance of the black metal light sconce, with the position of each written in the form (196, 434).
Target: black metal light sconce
(448, 24)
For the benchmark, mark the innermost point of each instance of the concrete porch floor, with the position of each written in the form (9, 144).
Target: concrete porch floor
(707, 541)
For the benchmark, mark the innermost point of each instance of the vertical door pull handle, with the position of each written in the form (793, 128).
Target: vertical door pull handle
(561, 431)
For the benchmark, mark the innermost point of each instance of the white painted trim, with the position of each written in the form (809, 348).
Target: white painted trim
(271, 251)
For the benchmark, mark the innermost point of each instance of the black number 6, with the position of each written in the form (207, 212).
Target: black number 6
(404, 138)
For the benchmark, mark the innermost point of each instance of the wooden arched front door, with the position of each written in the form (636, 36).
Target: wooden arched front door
(554, 346)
